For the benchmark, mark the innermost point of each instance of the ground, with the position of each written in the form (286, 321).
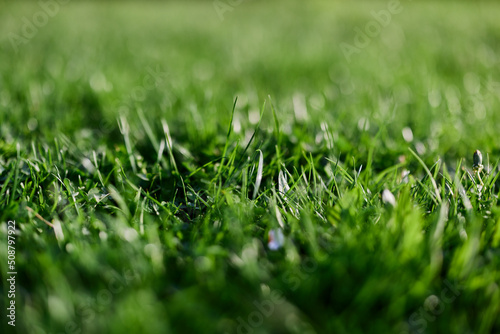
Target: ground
(249, 167)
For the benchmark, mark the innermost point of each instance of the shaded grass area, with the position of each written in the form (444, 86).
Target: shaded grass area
(162, 146)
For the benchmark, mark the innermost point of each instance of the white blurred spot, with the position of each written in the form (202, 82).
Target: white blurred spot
(420, 147)
(242, 98)
(150, 249)
(70, 247)
(434, 97)
(130, 234)
(363, 124)
(408, 134)
(254, 116)
(276, 239)
(202, 264)
(99, 83)
(88, 165)
(266, 290)
(154, 252)
(431, 303)
(405, 176)
(236, 260)
(58, 310)
(299, 107)
(58, 230)
(236, 125)
(250, 252)
(388, 197)
(32, 124)
(319, 138)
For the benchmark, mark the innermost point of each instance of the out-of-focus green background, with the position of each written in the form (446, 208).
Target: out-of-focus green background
(430, 58)
(144, 244)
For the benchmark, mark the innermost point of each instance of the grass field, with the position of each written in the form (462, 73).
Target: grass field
(149, 151)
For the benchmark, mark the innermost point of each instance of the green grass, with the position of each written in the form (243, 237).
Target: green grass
(143, 202)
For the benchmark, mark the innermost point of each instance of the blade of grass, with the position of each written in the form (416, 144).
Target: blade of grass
(258, 179)
(433, 182)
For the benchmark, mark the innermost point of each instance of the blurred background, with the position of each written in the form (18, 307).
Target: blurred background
(433, 68)
(344, 77)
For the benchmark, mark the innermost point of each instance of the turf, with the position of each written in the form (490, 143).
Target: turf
(149, 150)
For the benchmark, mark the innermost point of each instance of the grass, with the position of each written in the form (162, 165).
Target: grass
(148, 151)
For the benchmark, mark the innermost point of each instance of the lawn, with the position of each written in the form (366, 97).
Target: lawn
(249, 167)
